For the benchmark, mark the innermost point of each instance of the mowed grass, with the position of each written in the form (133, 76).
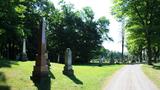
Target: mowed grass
(153, 72)
(16, 76)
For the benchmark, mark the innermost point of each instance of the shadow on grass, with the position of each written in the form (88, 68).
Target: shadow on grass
(51, 75)
(74, 79)
(7, 63)
(43, 83)
(4, 86)
(156, 67)
(96, 64)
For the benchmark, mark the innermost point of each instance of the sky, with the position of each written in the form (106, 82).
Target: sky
(102, 8)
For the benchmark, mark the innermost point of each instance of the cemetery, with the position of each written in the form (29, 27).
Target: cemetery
(63, 45)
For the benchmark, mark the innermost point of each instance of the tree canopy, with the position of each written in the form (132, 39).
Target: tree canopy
(66, 28)
(142, 25)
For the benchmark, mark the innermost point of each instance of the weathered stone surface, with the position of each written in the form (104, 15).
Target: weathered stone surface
(68, 63)
(41, 69)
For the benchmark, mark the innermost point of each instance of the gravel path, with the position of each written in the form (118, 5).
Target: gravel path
(130, 77)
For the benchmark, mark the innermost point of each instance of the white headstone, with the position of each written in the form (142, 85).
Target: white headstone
(24, 45)
(24, 54)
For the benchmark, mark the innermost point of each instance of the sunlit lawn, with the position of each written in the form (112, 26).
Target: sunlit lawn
(16, 76)
(153, 72)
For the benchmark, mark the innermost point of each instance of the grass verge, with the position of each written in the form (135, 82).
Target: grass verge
(16, 76)
(153, 73)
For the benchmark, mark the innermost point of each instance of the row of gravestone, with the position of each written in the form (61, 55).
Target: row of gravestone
(41, 68)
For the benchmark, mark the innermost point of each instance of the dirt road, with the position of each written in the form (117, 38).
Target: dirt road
(130, 77)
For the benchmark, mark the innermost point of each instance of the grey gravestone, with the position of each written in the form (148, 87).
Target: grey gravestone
(101, 60)
(24, 54)
(68, 63)
(111, 60)
(41, 69)
(58, 60)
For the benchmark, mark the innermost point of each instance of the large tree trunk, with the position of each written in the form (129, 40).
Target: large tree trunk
(149, 51)
(140, 56)
(156, 52)
(122, 50)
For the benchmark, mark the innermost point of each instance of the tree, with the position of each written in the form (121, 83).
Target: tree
(76, 30)
(143, 13)
(66, 28)
(18, 20)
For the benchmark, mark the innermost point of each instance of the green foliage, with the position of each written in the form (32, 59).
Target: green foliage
(76, 30)
(66, 28)
(20, 10)
(134, 43)
(103, 28)
(140, 17)
(2, 31)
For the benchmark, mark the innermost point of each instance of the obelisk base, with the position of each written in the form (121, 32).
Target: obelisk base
(67, 71)
(39, 73)
(24, 57)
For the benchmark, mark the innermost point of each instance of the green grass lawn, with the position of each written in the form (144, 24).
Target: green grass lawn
(16, 76)
(153, 72)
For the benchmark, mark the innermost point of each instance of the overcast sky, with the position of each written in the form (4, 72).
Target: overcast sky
(102, 8)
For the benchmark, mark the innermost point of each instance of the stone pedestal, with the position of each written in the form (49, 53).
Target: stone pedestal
(24, 57)
(41, 69)
(67, 71)
(68, 63)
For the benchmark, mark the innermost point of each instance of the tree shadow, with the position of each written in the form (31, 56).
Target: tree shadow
(74, 79)
(3, 85)
(51, 75)
(7, 63)
(43, 83)
(94, 64)
(156, 67)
